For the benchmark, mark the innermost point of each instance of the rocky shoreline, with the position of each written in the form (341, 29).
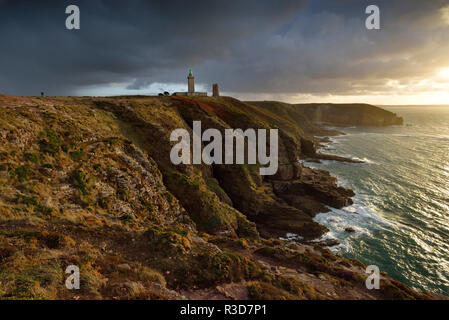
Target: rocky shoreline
(88, 181)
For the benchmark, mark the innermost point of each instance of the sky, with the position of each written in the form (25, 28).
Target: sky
(293, 51)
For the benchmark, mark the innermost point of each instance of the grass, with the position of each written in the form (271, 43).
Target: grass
(26, 200)
(147, 204)
(23, 173)
(43, 209)
(76, 155)
(214, 187)
(80, 181)
(51, 142)
(103, 203)
(31, 157)
(126, 218)
(169, 239)
(169, 197)
(123, 195)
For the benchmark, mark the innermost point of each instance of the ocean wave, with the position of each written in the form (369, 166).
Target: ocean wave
(326, 147)
(291, 237)
(337, 139)
(359, 217)
(339, 247)
(364, 159)
(444, 138)
(425, 137)
(401, 135)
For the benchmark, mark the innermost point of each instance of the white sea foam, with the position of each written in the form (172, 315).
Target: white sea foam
(364, 159)
(330, 235)
(359, 216)
(401, 135)
(291, 237)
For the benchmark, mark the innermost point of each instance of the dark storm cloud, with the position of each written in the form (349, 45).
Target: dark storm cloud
(120, 41)
(247, 46)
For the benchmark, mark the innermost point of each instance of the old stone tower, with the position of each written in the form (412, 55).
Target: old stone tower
(191, 82)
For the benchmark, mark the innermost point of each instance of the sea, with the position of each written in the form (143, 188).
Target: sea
(401, 209)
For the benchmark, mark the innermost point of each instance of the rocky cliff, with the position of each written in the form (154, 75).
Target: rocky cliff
(89, 182)
(338, 114)
(349, 114)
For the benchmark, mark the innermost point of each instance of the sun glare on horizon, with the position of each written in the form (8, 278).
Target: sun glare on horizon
(444, 73)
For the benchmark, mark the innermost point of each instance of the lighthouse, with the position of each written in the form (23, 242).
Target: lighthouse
(191, 83)
(191, 88)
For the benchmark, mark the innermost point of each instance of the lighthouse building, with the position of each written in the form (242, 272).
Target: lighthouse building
(191, 88)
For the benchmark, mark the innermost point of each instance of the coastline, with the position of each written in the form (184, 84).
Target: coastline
(387, 205)
(83, 182)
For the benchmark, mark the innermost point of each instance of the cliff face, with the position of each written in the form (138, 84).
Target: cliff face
(349, 114)
(89, 182)
(331, 114)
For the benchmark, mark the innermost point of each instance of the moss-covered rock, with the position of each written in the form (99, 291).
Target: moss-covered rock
(171, 239)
